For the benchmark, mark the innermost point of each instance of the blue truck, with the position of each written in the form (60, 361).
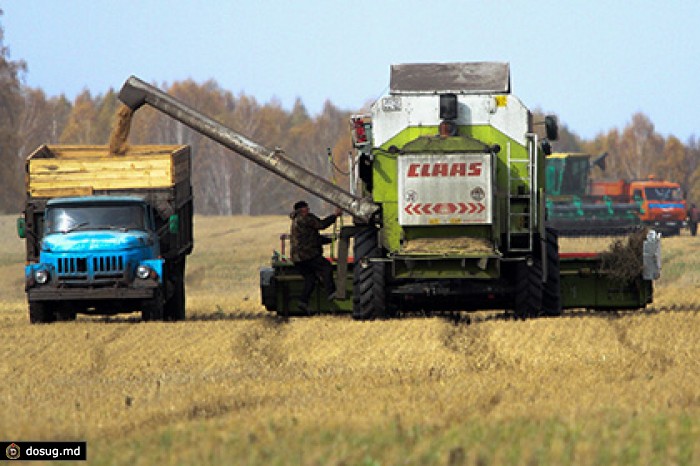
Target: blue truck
(105, 233)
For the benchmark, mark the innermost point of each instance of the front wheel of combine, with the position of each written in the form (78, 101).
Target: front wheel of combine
(368, 284)
(528, 289)
(551, 292)
(41, 313)
(369, 288)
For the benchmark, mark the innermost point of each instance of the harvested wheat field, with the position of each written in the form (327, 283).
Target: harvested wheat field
(236, 385)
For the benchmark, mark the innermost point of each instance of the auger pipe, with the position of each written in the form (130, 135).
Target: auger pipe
(135, 93)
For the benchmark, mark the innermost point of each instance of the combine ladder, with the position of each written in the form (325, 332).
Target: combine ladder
(521, 204)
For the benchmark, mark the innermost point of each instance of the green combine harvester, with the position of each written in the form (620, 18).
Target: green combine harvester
(574, 208)
(448, 206)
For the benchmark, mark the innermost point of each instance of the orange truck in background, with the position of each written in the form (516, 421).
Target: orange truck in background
(661, 203)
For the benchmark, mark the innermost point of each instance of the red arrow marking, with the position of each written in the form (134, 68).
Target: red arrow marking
(462, 207)
(407, 209)
(445, 209)
(426, 208)
(482, 207)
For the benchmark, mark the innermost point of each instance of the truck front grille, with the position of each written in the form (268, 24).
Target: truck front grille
(108, 266)
(72, 266)
(96, 268)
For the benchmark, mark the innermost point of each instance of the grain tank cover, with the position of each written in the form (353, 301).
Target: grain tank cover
(454, 78)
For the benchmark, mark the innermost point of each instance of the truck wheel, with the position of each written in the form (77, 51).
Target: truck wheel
(175, 306)
(368, 285)
(65, 314)
(153, 309)
(528, 289)
(551, 293)
(41, 313)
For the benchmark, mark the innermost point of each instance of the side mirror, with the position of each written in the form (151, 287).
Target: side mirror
(551, 127)
(21, 228)
(174, 223)
(546, 147)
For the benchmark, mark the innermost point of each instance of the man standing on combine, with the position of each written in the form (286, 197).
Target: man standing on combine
(307, 251)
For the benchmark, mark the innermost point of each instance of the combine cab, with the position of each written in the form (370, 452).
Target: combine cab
(577, 206)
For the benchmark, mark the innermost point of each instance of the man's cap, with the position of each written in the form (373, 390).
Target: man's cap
(298, 205)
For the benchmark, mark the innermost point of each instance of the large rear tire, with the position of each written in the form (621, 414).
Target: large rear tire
(551, 292)
(369, 279)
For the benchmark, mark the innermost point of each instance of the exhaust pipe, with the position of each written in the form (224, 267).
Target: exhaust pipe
(135, 93)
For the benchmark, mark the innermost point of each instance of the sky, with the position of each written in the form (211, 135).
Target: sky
(593, 63)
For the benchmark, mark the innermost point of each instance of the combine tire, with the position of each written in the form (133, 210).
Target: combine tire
(369, 283)
(369, 299)
(528, 289)
(551, 292)
(41, 313)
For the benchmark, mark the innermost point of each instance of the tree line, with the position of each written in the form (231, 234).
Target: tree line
(227, 184)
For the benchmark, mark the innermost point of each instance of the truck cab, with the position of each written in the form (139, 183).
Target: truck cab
(95, 250)
(662, 206)
(99, 241)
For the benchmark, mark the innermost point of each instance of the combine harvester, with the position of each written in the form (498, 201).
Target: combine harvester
(449, 212)
(579, 206)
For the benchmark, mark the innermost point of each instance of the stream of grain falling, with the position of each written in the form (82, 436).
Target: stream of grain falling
(117, 140)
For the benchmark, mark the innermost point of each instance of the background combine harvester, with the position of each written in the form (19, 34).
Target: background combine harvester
(449, 211)
(578, 205)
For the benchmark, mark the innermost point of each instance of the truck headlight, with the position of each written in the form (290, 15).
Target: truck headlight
(41, 276)
(143, 272)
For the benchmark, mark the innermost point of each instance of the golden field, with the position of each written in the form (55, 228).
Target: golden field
(236, 385)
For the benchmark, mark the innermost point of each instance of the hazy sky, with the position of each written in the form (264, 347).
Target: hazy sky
(594, 63)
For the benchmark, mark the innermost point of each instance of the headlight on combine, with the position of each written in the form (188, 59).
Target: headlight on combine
(143, 272)
(41, 276)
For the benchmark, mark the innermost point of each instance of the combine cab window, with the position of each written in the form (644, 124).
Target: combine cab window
(553, 174)
(663, 194)
(574, 177)
(64, 219)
